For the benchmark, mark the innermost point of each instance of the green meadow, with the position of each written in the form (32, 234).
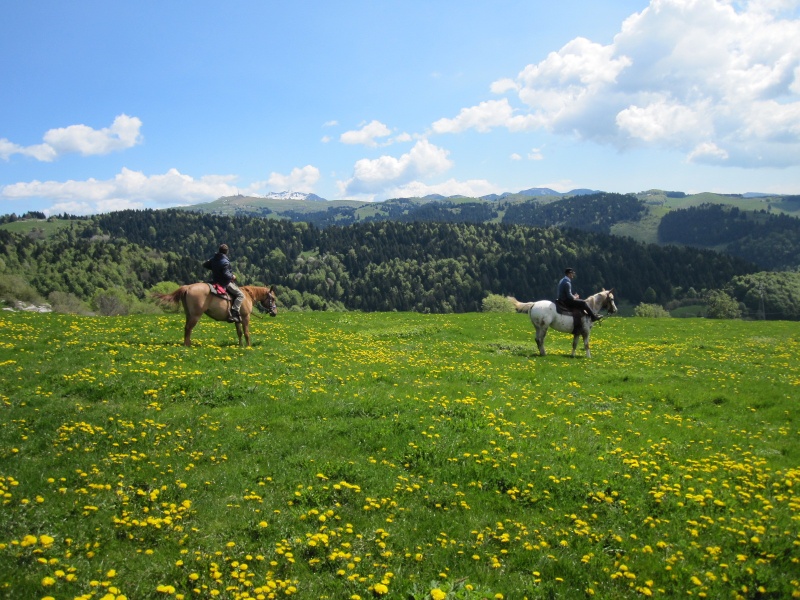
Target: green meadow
(397, 455)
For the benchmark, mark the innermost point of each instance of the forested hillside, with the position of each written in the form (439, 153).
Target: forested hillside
(769, 240)
(386, 265)
(594, 212)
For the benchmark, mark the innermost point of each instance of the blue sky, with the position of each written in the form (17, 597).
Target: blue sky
(113, 105)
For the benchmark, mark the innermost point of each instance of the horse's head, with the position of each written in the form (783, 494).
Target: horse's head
(608, 301)
(269, 303)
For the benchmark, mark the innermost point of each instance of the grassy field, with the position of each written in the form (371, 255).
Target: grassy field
(397, 455)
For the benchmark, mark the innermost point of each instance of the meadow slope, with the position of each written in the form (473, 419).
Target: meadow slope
(362, 455)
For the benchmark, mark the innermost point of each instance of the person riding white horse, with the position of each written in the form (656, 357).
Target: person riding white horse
(570, 300)
(544, 315)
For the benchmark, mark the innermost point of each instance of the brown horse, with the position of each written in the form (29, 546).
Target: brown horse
(198, 300)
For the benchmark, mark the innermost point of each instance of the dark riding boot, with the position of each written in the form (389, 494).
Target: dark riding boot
(594, 316)
(234, 317)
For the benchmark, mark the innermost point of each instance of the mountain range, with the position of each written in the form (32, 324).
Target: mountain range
(538, 192)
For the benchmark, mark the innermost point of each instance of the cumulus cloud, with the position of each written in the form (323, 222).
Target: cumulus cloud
(690, 75)
(127, 189)
(79, 139)
(708, 153)
(374, 175)
(367, 135)
(300, 179)
(484, 117)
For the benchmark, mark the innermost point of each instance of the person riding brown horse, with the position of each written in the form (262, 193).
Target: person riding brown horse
(222, 274)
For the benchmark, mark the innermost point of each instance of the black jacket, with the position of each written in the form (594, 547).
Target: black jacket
(221, 270)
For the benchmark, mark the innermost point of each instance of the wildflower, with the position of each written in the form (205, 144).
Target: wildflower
(437, 594)
(48, 581)
(380, 589)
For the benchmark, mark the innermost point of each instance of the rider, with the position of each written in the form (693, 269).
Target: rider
(570, 300)
(222, 273)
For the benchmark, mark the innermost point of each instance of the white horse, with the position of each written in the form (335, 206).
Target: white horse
(544, 315)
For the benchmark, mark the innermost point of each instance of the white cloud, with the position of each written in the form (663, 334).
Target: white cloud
(680, 74)
(7, 149)
(127, 189)
(373, 175)
(515, 156)
(367, 135)
(708, 153)
(484, 117)
(665, 120)
(80, 139)
(299, 180)
(535, 154)
(502, 86)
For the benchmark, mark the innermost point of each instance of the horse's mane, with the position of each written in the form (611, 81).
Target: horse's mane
(255, 292)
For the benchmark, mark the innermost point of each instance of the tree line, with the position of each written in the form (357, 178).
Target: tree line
(384, 265)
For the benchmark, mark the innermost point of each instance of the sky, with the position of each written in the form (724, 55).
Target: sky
(114, 105)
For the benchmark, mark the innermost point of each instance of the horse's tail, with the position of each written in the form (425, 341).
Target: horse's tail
(520, 306)
(172, 298)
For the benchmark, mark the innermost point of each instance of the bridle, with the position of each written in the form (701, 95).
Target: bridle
(268, 305)
(608, 303)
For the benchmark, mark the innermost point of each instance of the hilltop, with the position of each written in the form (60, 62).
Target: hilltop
(652, 216)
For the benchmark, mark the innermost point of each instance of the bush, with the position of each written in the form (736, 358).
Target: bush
(112, 303)
(496, 303)
(14, 287)
(722, 306)
(652, 311)
(64, 302)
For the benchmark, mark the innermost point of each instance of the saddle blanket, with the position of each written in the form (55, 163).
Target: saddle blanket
(218, 290)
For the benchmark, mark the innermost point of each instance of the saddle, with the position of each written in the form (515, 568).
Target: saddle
(577, 316)
(218, 290)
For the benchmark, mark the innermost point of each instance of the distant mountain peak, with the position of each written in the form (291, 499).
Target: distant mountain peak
(290, 195)
(287, 195)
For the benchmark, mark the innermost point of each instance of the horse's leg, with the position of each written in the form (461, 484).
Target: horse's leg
(574, 343)
(239, 332)
(191, 321)
(540, 333)
(586, 343)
